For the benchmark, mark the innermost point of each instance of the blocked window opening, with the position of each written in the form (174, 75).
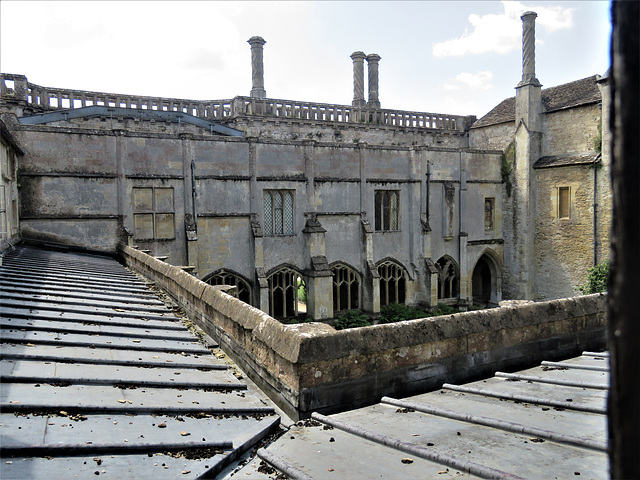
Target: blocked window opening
(278, 212)
(489, 208)
(393, 283)
(564, 202)
(153, 213)
(287, 293)
(386, 210)
(227, 278)
(448, 278)
(346, 288)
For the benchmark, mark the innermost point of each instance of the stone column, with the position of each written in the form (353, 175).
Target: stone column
(257, 67)
(358, 79)
(372, 62)
(529, 48)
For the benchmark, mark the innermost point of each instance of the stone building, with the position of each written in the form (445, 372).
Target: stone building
(357, 205)
(556, 145)
(10, 151)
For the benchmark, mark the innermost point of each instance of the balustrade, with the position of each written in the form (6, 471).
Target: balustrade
(46, 98)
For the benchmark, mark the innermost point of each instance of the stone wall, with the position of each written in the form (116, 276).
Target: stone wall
(81, 177)
(10, 152)
(312, 367)
(572, 130)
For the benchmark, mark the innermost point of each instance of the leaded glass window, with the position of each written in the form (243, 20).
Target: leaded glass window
(387, 203)
(278, 212)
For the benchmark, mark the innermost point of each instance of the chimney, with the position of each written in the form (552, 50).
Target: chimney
(372, 62)
(358, 79)
(529, 49)
(528, 91)
(257, 68)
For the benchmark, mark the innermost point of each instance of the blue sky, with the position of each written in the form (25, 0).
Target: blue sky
(456, 57)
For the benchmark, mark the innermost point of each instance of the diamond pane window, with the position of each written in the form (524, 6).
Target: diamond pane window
(288, 213)
(268, 214)
(278, 212)
(387, 209)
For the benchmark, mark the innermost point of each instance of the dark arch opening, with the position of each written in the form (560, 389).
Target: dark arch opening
(482, 282)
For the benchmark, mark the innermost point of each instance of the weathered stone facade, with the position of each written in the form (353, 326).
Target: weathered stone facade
(10, 152)
(361, 206)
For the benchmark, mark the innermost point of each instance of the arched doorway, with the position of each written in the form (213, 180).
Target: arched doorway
(485, 283)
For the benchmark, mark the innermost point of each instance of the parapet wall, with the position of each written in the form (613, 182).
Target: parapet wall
(312, 367)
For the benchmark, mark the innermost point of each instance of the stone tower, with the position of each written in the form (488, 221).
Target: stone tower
(528, 148)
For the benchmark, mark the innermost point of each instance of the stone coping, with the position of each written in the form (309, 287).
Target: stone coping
(312, 366)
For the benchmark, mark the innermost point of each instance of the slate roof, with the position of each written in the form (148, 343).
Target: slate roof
(545, 422)
(572, 94)
(101, 377)
(586, 158)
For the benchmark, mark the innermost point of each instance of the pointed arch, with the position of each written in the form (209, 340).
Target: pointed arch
(346, 287)
(448, 278)
(393, 282)
(285, 283)
(486, 280)
(224, 276)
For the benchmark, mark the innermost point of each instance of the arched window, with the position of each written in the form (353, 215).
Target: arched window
(287, 292)
(346, 288)
(393, 283)
(222, 277)
(448, 278)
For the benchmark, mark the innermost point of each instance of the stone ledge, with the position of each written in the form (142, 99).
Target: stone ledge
(312, 367)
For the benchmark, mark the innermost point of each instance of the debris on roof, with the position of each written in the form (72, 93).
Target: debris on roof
(101, 377)
(544, 422)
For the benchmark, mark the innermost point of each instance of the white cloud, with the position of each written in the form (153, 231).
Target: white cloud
(502, 33)
(475, 81)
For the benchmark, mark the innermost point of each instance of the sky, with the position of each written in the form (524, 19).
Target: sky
(453, 57)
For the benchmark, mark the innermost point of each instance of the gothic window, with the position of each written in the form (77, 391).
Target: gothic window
(223, 277)
(448, 278)
(153, 213)
(346, 288)
(387, 204)
(489, 207)
(278, 212)
(393, 282)
(286, 287)
(564, 202)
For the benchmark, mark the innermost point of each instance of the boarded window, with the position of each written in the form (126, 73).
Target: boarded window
(153, 213)
(278, 212)
(387, 204)
(564, 202)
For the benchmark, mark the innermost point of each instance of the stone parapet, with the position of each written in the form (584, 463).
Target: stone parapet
(30, 99)
(312, 367)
